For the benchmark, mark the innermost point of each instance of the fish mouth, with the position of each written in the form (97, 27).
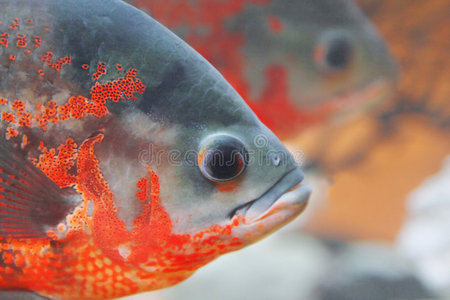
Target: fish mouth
(367, 97)
(287, 195)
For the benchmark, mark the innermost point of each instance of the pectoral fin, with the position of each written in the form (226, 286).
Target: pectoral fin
(30, 203)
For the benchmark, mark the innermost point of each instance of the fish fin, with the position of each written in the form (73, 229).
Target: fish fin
(30, 203)
(20, 295)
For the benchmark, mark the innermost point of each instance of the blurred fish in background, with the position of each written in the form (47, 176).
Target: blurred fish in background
(416, 132)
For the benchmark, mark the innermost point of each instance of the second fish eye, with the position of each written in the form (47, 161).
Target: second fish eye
(334, 52)
(222, 158)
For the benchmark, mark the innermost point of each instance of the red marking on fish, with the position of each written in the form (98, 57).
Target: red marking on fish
(21, 40)
(58, 64)
(101, 70)
(37, 41)
(275, 24)
(93, 249)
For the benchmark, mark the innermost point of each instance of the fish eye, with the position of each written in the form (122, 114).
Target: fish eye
(334, 52)
(222, 158)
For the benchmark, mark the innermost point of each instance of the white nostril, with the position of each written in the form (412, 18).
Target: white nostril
(276, 160)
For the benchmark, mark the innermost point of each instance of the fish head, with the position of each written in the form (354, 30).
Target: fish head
(219, 178)
(348, 61)
(224, 179)
(239, 173)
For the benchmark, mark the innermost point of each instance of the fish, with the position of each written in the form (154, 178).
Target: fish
(298, 63)
(127, 161)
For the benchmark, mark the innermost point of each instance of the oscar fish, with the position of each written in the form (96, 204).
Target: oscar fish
(126, 160)
(297, 63)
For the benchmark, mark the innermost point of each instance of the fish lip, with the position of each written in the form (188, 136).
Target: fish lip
(371, 93)
(288, 188)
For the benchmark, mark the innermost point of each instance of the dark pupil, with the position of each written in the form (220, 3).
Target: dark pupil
(224, 163)
(339, 53)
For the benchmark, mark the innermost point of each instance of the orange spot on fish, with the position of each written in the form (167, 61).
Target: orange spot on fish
(19, 260)
(8, 258)
(227, 187)
(11, 132)
(48, 114)
(119, 89)
(21, 40)
(18, 106)
(85, 66)
(4, 39)
(101, 70)
(58, 64)
(15, 24)
(25, 141)
(25, 120)
(275, 24)
(143, 189)
(12, 57)
(37, 41)
(8, 117)
(61, 227)
(56, 162)
(75, 108)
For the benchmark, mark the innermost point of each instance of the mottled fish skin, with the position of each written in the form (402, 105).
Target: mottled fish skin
(274, 52)
(121, 115)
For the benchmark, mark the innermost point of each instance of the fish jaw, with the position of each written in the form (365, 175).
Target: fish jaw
(278, 206)
(359, 101)
(248, 223)
(289, 119)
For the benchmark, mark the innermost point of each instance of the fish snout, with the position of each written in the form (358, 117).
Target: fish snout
(287, 198)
